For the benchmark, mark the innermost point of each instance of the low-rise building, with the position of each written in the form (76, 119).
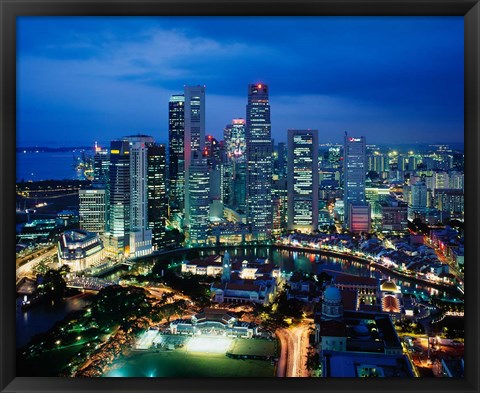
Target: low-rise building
(80, 249)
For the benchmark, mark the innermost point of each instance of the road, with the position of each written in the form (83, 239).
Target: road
(27, 269)
(294, 347)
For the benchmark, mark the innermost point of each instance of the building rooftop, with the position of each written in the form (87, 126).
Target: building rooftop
(357, 365)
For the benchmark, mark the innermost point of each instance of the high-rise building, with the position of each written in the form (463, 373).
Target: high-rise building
(418, 206)
(234, 137)
(119, 192)
(239, 187)
(92, 210)
(394, 215)
(451, 201)
(101, 162)
(279, 204)
(354, 172)
(280, 164)
(140, 233)
(194, 136)
(176, 140)
(259, 162)
(199, 187)
(157, 193)
(302, 180)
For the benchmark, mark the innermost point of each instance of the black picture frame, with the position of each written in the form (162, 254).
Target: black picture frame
(10, 9)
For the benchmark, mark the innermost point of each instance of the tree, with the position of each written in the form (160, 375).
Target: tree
(52, 284)
(115, 304)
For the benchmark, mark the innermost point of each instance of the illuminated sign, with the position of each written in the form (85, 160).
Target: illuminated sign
(355, 139)
(114, 151)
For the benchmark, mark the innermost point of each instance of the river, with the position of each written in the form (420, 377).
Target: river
(43, 316)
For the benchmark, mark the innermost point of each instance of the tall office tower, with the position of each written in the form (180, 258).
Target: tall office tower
(279, 203)
(92, 210)
(354, 172)
(194, 136)
(234, 148)
(119, 193)
(281, 160)
(302, 180)
(334, 157)
(418, 205)
(198, 199)
(226, 180)
(176, 128)
(211, 151)
(140, 234)
(101, 162)
(259, 162)
(239, 186)
(234, 137)
(157, 193)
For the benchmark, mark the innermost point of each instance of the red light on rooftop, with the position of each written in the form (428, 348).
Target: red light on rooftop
(259, 85)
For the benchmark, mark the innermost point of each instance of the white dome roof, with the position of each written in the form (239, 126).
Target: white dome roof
(332, 294)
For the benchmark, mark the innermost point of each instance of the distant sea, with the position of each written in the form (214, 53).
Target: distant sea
(47, 166)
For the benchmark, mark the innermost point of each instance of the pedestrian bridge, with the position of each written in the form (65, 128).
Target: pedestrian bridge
(89, 283)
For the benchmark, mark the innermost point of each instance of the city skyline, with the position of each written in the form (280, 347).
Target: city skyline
(94, 80)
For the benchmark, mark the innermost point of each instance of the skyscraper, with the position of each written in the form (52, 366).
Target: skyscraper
(176, 129)
(259, 161)
(101, 162)
(302, 180)
(418, 206)
(92, 210)
(233, 165)
(194, 136)
(157, 193)
(119, 192)
(234, 137)
(199, 201)
(354, 172)
(140, 234)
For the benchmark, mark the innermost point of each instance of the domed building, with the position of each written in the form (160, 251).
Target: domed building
(391, 299)
(332, 307)
(389, 286)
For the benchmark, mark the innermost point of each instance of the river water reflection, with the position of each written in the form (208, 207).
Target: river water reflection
(42, 317)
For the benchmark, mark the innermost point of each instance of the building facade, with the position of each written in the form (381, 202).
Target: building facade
(93, 210)
(354, 172)
(176, 130)
(259, 161)
(302, 180)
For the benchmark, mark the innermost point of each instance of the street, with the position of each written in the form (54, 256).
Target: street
(293, 355)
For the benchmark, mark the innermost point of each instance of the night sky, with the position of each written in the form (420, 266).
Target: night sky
(391, 79)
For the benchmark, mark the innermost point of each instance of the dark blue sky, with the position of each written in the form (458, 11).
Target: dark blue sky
(392, 79)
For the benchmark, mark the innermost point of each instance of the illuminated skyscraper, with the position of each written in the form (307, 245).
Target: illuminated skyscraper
(302, 180)
(119, 192)
(354, 172)
(140, 233)
(92, 210)
(194, 136)
(234, 137)
(199, 188)
(234, 165)
(259, 162)
(101, 162)
(157, 193)
(176, 129)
